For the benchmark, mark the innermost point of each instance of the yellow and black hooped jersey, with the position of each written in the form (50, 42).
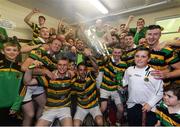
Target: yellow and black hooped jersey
(42, 55)
(128, 56)
(160, 59)
(12, 90)
(111, 69)
(86, 91)
(88, 63)
(58, 91)
(100, 61)
(166, 118)
(35, 29)
(37, 41)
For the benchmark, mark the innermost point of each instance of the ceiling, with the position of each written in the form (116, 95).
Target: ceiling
(81, 10)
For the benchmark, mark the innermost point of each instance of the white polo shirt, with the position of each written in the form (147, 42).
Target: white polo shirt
(141, 90)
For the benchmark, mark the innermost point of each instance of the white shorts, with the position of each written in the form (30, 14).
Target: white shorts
(114, 95)
(82, 113)
(60, 113)
(33, 90)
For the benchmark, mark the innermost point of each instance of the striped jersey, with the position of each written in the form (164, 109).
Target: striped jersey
(110, 70)
(43, 56)
(86, 91)
(100, 61)
(37, 41)
(58, 91)
(35, 29)
(160, 59)
(166, 118)
(128, 56)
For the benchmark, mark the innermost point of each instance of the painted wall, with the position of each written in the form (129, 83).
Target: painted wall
(16, 14)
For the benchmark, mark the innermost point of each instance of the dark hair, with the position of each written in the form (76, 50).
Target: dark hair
(141, 19)
(122, 24)
(141, 48)
(81, 64)
(42, 17)
(117, 46)
(63, 58)
(151, 27)
(52, 40)
(11, 44)
(70, 38)
(175, 88)
(130, 34)
(43, 28)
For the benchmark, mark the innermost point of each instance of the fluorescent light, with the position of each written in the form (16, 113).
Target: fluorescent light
(99, 6)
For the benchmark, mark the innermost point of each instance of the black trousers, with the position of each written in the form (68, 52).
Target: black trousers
(8, 120)
(134, 116)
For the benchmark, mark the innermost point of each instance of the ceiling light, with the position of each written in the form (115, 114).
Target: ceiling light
(99, 6)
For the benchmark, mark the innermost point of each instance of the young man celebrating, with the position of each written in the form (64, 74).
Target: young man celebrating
(35, 27)
(164, 60)
(46, 56)
(58, 94)
(84, 85)
(113, 71)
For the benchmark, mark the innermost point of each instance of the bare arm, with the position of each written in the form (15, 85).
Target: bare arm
(69, 31)
(166, 74)
(29, 61)
(169, 74)
(88, 53)
(28, 79)
(172, 43)
(130, 18)
(28, 48)
(37, 70)
(107, 36)
(29, 16)
(167, 43)
(59, 25)
(174, 74)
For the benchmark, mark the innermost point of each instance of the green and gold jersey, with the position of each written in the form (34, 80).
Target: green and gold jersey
(138, 35)
(88, 63)
(58, 91)
(12, 90)
(128, 56)
(100, 61)
(43, 56)
(37, 41)
(160, 59)
(35, 29)
(166, 118)
(86, 91)
(111, 70)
